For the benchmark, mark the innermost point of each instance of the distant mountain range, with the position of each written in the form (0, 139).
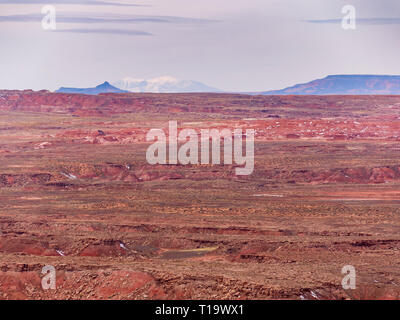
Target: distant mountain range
(330, 85)
(165, 84)
(345, 85)
(105, 87)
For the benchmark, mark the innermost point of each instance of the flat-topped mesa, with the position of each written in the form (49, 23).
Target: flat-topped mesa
(345, 85)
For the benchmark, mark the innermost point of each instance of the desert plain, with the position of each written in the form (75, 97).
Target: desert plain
(77, 193)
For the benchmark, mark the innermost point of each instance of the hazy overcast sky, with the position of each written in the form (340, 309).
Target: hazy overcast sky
(234, 45)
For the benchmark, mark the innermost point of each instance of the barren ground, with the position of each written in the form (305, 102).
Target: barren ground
(77, 193)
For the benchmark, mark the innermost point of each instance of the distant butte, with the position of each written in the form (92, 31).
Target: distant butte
(345, 85)
(105, 87)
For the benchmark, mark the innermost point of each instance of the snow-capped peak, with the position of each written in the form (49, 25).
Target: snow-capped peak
(164, 79)
(164, 84)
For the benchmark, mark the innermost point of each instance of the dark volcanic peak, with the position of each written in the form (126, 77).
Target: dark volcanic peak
(345, 85)
(105, 87)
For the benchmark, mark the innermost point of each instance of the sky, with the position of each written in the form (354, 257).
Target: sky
(232, 45)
